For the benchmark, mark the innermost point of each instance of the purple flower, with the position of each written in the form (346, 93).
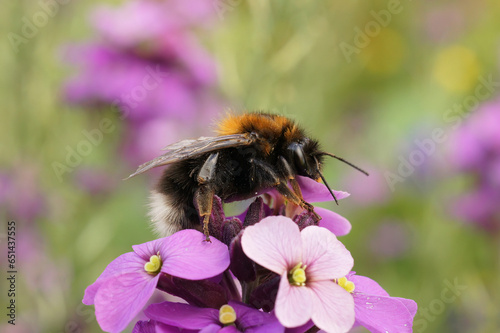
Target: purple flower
(232, 317)
(140, 87)
(475, 152)
(150, 66)
(128, 282)
(375, 309)
(477, 141)
(479, 207)
(307, 263)
(150, 20)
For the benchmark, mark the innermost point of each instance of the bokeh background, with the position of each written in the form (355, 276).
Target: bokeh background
(405, 89)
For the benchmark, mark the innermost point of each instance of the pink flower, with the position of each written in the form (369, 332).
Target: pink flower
(307, 262)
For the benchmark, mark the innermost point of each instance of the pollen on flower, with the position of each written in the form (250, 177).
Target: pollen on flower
(227, 315)
(346, 284)
(297, 275)
(153, 266)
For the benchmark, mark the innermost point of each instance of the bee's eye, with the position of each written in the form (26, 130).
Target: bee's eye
(299, 159)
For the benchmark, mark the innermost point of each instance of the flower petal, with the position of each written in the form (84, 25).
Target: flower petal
(273, 243)
(365, 285)
(332, 221)
(148, 249)
(264, 296)
(300, 329)
(382, 314)
(325, 256)
(253, 320)
(229, 329)
(201, 293)
(241, 266)
(126, 263)
(183, 315)
(121, 298)
(313, 191)
(333, 306)
(272, 325)
(212, 328)
(410, 304)
(294, 304)
(187, 255)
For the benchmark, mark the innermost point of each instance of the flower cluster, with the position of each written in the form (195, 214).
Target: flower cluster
(149, 65)
(273, 268)
(476, 152)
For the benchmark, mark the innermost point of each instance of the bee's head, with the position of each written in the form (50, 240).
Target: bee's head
(306, 158)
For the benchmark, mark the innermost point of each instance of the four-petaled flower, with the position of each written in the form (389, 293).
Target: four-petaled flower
(308, 262)
(128, 282)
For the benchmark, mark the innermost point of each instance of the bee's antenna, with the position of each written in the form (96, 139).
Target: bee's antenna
(324, 181)
(346, 162)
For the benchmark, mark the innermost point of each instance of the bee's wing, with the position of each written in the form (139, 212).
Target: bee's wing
(192, 148)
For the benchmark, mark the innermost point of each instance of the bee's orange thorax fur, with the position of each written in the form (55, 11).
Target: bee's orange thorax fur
(271, 124)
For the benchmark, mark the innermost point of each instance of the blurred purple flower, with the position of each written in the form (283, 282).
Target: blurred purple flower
(150, 66)
(475, 151)
(21, 197)
(141, 88)
(128, 282)
(233, 317)
(150, 20)
(479, 207)
(476, 143)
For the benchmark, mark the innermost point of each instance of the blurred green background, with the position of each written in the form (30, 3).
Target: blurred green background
(364, 83)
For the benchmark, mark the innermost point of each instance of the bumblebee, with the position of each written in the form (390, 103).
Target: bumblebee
(252, 153)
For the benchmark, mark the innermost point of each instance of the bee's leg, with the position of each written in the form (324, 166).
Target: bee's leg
(291, 178)
(285, 191)
(204, 197)
(205, 193)
(296, 188)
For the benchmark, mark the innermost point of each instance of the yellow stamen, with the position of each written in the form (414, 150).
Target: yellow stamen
(227, 315)
(153, 266)
(297, 275)
(346, 284)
